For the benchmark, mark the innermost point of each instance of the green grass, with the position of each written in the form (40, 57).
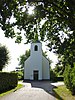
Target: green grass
(62, 93)
(18, 87)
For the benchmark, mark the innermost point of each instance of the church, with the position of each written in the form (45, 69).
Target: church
(36, 67)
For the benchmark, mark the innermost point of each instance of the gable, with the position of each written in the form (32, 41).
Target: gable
(45, 60)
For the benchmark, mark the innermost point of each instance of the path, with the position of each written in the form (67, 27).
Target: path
(32, 91)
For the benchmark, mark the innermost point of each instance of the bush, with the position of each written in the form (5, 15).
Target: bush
(20, 75)
(7, 81)
(69, 78)
(72, 79)
(53, 75)
(59, 78)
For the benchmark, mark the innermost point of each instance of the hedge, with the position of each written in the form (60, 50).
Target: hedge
(8, 81)
(69, 78)
(59, 78)
(53, 76)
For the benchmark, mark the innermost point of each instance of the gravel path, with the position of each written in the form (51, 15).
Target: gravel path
(32, 91)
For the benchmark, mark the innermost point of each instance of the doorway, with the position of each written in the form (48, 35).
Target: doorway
(35, 74)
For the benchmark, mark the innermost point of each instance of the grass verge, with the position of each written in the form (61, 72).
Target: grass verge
(18, 87)
(62, 93)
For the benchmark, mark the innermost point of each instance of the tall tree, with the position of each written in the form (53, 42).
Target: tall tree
(4, 57)
(58, 16)
(58, 27)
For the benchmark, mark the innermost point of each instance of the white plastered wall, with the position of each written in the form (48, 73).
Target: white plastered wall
(27, 69)
(45, 68)
(36, 62)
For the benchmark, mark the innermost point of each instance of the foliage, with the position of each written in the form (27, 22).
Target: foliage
(62, 93)
(8, 10)
(23, 58)
(59, 70)
(59, 15)
(7, 81)
(72, 79)
(4, 57)
(12, 90)
(58, 26)
(69, 78)
(53, 75)
(20, 74)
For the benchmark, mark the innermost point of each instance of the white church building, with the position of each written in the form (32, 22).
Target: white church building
(36, 67)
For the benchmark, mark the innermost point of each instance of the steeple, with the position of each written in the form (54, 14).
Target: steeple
(36, 47)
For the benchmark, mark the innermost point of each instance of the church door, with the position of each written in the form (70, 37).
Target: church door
(35, 75)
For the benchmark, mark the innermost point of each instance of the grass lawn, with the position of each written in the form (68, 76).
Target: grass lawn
(18, 87)
(62, 93)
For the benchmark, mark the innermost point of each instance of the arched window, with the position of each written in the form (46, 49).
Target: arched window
(36, 48)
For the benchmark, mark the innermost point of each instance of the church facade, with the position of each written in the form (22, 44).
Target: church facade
(36, 67)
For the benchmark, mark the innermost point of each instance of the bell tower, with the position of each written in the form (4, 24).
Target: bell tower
(36, 48)
(36, 60)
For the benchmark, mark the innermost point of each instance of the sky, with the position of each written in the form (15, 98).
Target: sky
(15, 50)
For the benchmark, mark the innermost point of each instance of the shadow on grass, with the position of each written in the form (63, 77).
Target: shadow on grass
(57, 96)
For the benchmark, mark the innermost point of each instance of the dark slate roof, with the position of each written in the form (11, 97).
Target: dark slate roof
(37, 41)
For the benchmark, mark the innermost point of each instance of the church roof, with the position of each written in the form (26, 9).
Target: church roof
(37, 41)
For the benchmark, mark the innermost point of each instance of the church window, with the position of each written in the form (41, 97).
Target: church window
(36, 48)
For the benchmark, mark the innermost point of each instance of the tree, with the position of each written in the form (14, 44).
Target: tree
(23, 58)
(59, 69)
(8, 10)
(69, 78)
(4, 57)
(58, 27)
(58, 16)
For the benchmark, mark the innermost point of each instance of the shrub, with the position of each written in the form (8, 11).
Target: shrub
(7, 81)
(69, 78)
(20, 75)
(53, 75)
(72, 79)
(59, 78)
